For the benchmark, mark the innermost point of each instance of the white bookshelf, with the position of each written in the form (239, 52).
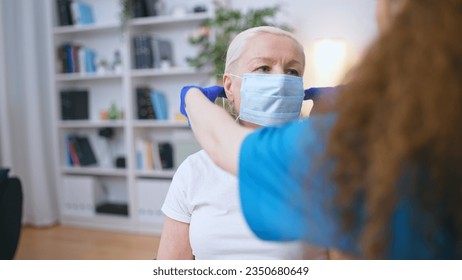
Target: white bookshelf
(131, 186)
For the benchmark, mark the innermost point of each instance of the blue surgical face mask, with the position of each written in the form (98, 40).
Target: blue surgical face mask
(270, 99)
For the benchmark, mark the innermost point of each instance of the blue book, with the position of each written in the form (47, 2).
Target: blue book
(139, 161)
(159, 104)
(90, 60)
(82, 13)
(68, 151)
(70, 58)
(86, 13)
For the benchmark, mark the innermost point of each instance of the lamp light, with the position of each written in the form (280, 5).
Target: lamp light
(328, 60)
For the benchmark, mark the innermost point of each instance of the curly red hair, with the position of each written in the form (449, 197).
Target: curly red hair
(401, 114)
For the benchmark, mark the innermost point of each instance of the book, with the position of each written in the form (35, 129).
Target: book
(161, 52)
(152, 7)
(166, 155)
(144, 106)
(156, 161)
(142, 51)
(69, 67)
(82, 13)
(149, 155)
(159, 104)
(145, 8)
(64, 12)
(74, 104)
(61, 57)
(139, 154)
(72, 158)
(146, 51)
(153, 155)
(75, 58)
(90, 57)
(82, 60)
(136, 52)
(81, 151)
(138, 8)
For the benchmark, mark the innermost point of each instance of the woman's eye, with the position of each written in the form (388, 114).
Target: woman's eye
(263, 69)
(293, 72)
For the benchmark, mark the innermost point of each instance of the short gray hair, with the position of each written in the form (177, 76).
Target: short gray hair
(238, 44)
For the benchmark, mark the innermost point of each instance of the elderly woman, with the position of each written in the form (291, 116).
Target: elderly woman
(204, 218)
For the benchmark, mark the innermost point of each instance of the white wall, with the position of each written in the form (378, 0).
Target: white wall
(352, 20)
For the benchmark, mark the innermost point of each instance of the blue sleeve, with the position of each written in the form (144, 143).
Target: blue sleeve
(285, 189)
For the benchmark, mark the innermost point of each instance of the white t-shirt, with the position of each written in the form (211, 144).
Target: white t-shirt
(205, 196)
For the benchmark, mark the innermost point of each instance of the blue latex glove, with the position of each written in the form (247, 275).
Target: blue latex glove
(315, 92)
(211, 93)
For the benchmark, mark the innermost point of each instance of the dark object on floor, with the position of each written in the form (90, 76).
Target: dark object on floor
(11, 199)
(112, 208)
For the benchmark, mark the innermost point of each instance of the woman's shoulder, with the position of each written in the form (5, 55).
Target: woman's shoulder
(195, 160)
(199, 167)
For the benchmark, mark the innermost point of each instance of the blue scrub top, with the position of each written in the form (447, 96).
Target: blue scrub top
(286, 194)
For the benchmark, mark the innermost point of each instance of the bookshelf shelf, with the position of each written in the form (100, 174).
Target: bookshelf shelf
(86, 76)
(169, 20)
(98, 93)
(74, 29)
(91, 124)
(154, 124)
(137, 73)
(94, 171)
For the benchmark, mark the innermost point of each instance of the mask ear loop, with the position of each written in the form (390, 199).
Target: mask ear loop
(239, 77)
(234, 75)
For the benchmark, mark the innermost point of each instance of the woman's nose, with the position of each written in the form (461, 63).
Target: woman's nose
(278, 69)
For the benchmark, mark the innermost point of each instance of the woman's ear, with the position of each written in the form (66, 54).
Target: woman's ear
(227, 84)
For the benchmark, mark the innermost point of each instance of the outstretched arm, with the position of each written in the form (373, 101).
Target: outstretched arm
(218, 134)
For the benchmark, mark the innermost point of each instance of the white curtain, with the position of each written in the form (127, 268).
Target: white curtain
(26, 106)
(5, 155)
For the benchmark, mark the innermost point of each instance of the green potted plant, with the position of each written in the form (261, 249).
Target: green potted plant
(126, 7)
(226, 24)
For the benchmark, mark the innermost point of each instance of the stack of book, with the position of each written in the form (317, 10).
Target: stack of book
(153, 155)
(76, 59)
(146, 8)
(79, 151)
(151, 104)
(151, 52)
(72, 12)
(74, 104)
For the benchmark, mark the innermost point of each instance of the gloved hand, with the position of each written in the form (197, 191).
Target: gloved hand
(324, 98)
(210, 92)
(315, 92)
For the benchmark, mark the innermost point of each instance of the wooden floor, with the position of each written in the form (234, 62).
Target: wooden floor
(66, 243)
